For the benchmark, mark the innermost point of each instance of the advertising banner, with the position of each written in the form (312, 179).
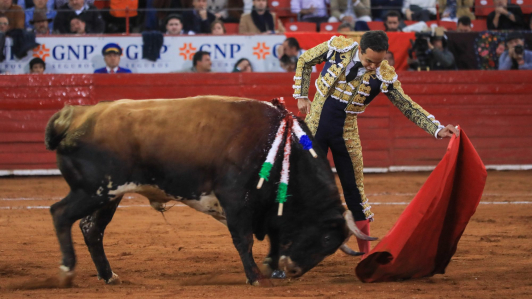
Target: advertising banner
(77, 54)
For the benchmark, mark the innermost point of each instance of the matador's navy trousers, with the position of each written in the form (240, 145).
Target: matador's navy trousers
(330, 135)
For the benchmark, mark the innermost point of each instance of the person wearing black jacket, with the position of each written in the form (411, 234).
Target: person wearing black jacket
(198, 20)
(441, 57)
(505, 16)
(88, 12)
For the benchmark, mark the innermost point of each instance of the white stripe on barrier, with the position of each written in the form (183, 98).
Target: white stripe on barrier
(373, 203)
(37, 172)
(368, 195)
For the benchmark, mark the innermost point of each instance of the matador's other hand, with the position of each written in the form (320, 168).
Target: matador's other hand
(448, 131)
(303, 104)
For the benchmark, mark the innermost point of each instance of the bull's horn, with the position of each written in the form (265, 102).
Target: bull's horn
(354, 229)
(350, 251)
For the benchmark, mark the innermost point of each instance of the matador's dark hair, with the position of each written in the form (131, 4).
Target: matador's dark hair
(375, 40)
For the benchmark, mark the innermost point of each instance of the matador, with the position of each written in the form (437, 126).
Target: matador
(352, 77)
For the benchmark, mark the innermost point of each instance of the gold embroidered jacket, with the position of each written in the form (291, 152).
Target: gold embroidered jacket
(337, 53)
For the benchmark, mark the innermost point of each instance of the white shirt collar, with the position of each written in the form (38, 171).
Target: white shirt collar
(361, 70)
(357, 59)
(85, 6)
(109, 69)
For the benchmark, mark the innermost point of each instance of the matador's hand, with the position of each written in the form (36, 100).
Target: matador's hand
(448, 131)
(303, 104)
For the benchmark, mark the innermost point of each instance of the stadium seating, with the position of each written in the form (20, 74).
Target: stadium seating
(526, 5)
(281, 8)
(479, 25)
(329, 27)
(448, 25)
(483, 7)
(376, 25)
(300, 27)
(231, 28)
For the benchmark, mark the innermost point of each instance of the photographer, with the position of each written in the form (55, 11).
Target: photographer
(516, 57)
(441, 57)
(431, 52)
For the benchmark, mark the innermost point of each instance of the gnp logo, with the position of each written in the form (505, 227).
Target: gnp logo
(261, 50)
(187, 51)
(42, 52)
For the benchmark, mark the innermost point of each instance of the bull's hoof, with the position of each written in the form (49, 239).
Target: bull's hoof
(114, 280)
(278, 274)
(65, 277)
(260, 283)
(266, 270)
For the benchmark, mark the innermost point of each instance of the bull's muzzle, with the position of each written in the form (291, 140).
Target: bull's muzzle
(289, 267)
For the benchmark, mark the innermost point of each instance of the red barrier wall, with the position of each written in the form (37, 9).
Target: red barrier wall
(494, 108)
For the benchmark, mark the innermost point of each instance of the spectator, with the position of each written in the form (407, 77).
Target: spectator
(218, 28)
(41, 23)
(59, 3)
(288, 63)
(37, 66)
(201, 62)
(77, 26)
(165, 8)
(310, 10)
(379, 8)
(229, 11)
(440, 57)
(4, 23)
(198, 20)
(516, 57)
(529, 23)
(40, 5)
(174, 25)
(464, 24)
(505, 16)
(290, 47)
(350, 11)
(344, 28)
(390, 58)
(14, 14)
(88, 12)
(111, 55)
(419, 10)
(260, 20)
(243, 66)
(392, 20)
(26, 4)
(454, 9)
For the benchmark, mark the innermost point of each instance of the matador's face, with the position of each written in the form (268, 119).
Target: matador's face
(370, 59)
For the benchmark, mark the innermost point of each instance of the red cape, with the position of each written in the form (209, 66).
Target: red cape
(426, 235)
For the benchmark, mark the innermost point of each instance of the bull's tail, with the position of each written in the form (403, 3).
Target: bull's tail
(57, 127)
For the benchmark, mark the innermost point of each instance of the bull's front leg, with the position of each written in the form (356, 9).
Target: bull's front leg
(240, 227)
(270, 264)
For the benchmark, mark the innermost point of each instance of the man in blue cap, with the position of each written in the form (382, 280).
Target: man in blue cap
(111, 54)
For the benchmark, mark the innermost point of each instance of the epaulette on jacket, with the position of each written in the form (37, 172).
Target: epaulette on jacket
(386, 74)
(340, 44)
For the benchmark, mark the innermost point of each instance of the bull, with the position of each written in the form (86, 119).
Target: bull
(206, 153)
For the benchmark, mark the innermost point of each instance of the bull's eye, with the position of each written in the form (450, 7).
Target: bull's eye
(326, 240)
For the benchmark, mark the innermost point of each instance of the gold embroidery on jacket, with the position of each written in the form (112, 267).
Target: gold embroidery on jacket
(411, 109)
(354, 147)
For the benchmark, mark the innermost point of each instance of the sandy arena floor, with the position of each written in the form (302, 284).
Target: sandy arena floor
(193, 256)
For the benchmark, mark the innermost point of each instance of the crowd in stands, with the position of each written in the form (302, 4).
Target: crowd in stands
(253, 16)
(180, 17)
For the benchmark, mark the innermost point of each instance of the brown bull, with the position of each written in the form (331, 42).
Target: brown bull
(205, 152)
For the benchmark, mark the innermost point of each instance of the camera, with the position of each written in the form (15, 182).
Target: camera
(421, 49)
(519, 49)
